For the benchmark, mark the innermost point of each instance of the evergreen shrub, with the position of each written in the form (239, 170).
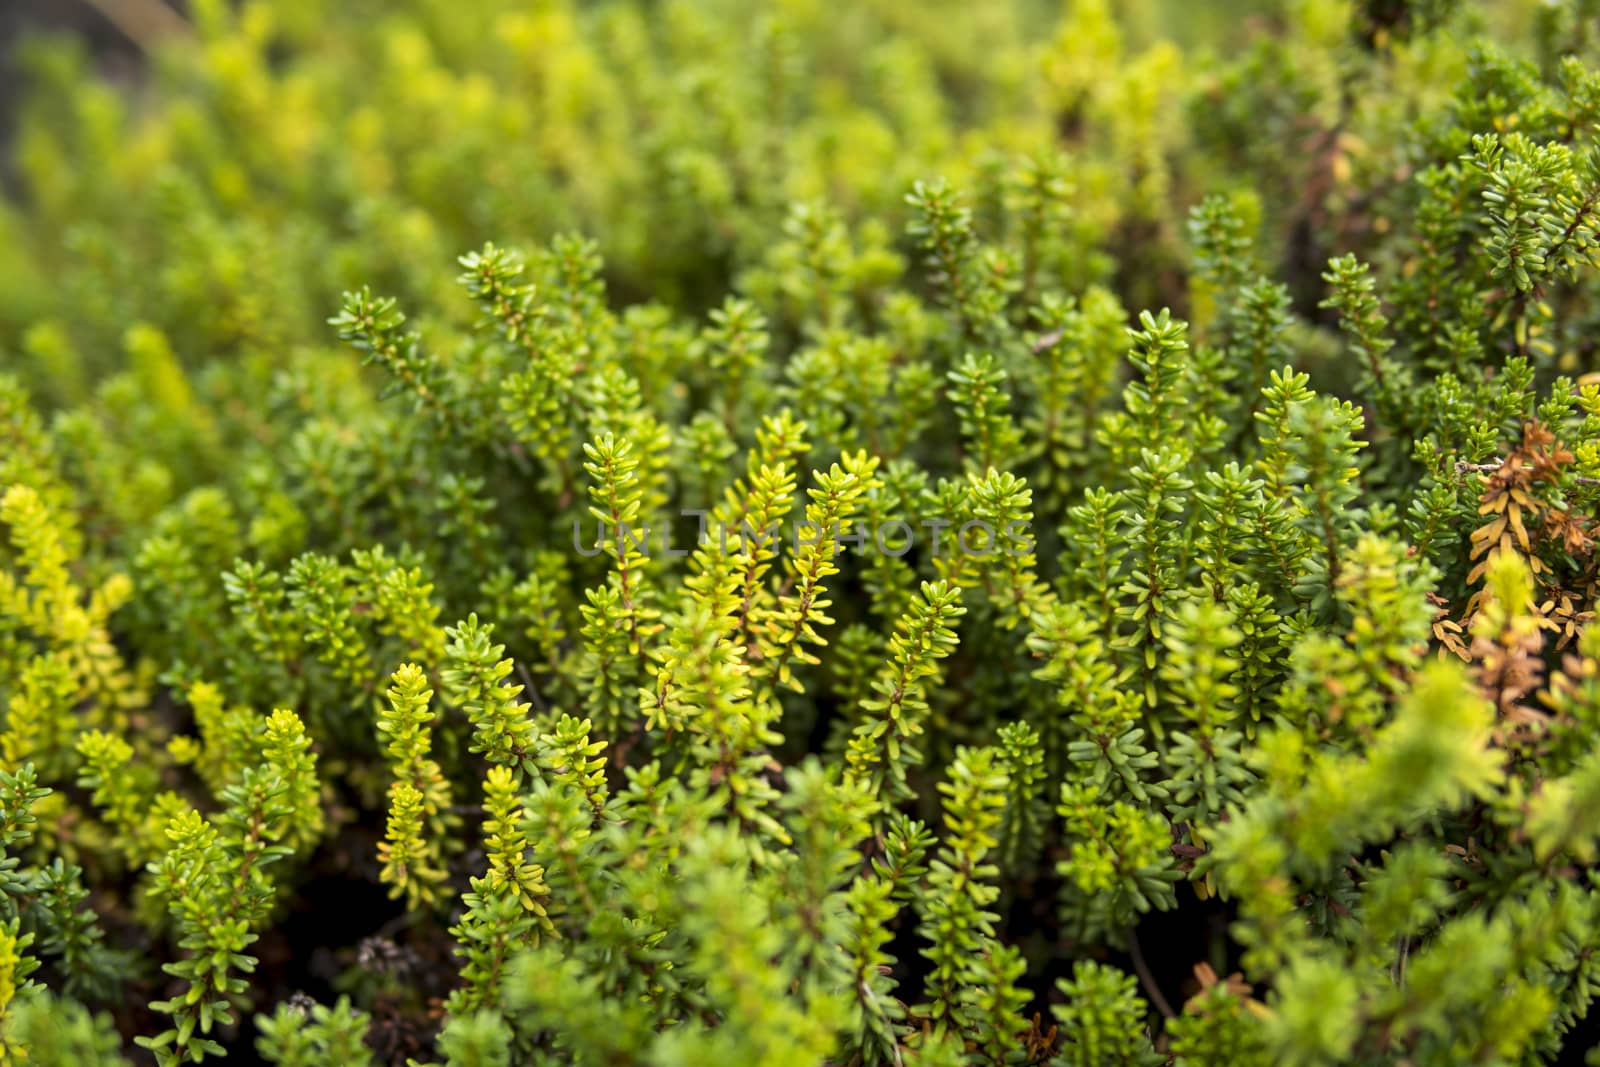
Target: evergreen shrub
(716, 533)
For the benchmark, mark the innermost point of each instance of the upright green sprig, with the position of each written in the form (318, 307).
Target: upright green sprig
(954, 908)
(884, 747)
(214, 881)
(1353, 294)
(45, 600)
(41, 723)
(506, 908)
(227, 737)
(19, 793)
(286, 750)
(870, 910)
(71, 934)
(537, 400)
(568, 756)
(1154, 414)
(792, 624)
(1027, 811)
(1154, 582)
(374, 327)
(1003, 504)
(1094, 716)
(1119, 864)
(295, 1036)
(319, 590)
(124, 792)
(15, 967)
(1223, 258)
(1324, 439)
(978, 393)
(1101, 1019)
(736, 341)
(1080, 353)
(473, 677)
(615, 504)
(943, 228)
(1207, 756)
(510, 873)
(619, 619)
(419, 795)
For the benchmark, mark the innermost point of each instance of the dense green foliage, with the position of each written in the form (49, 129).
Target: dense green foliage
(795, 533)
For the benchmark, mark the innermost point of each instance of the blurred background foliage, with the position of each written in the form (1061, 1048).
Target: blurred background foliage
(184, 204)
(266, 156)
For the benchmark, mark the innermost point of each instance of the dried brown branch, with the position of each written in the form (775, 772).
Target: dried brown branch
(144, 22)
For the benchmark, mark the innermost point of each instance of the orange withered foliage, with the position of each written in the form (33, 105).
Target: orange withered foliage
(1509, 497)
(1529, 521)
(1039, 1043)
(1207, 977)
(1447, 631)
(1568, 612)
(1509, 666)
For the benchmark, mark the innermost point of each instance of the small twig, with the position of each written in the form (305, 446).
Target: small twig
(871, 997)
(1399, 975)
(1464, 467)
(1147, 979)
(144, 22)
(1049, 340)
